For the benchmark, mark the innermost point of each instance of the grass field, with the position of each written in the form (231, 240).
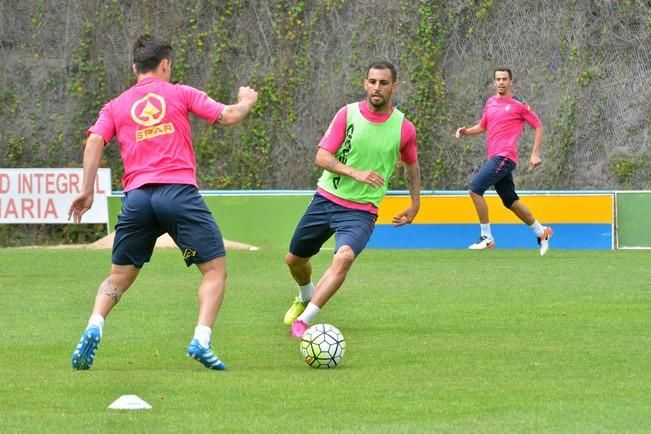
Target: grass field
(437, 341)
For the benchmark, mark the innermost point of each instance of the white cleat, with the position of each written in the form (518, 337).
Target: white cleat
(544, 240)
(482, 243)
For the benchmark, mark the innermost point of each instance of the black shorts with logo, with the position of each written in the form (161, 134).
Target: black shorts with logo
(154, 209)
(496, 171)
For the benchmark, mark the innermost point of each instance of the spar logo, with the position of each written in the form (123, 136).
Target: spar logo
(149, 111)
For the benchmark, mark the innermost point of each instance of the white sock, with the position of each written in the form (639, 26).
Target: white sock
(306, 291)
(309, 313)
(537, 228)
(202, 334)
(486, 230)
(97, 320)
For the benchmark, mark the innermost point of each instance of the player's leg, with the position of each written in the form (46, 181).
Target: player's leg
(522, 212)
(211, 296)
(506, 190)
(186, 217)
(312, 230)
(334, 276)
(111, 290)
(301, 271)
(353, 230)
(481, 207)
(211, 290)
(133, 244)
(108, 295)
(486, 177)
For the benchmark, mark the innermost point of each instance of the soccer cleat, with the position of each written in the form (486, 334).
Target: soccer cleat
(298, 328)
(84, 354)
(543, 241)
(294, 311)
(482, 243)
(205, 356)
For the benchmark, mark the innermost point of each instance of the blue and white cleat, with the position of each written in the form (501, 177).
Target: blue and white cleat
(205, 356)
(84, 354)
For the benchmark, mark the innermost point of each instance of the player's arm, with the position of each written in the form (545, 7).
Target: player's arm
(413, 184)
(472, 131)
(327, 160)
(92, 158)
(235, 113)
(535, 160)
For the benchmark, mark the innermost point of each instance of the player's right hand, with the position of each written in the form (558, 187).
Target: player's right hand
(460, 132)
(80, 205)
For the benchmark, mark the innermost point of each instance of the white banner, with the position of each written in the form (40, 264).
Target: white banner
(45, 195)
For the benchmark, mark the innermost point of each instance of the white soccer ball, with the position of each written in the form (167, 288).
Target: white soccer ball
(323, 346)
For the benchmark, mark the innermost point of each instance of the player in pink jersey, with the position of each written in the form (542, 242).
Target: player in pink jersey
(503, 120)
(151, 122)
(358, 155)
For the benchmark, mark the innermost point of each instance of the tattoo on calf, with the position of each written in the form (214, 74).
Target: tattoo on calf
(107, 290)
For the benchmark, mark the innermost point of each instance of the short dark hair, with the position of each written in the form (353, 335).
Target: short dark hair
(383, 64)
(149, 51)
(503, 70)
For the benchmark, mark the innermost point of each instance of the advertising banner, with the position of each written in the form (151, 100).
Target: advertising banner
(45, 195)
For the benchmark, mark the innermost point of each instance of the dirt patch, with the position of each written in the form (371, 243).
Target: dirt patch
(165, 241)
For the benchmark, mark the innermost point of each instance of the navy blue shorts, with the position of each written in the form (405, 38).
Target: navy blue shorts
(498, 172)
(154, 209)
(322, 219)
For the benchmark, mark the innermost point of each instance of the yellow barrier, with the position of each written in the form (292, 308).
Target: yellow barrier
(548, 208)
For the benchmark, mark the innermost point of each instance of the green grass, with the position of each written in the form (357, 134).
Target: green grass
(437, 341)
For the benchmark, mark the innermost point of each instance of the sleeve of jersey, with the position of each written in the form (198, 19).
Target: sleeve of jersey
(201, 105)
(104, 125)
(408, 143)
(334, 136)
(531, 117)
(483, 122)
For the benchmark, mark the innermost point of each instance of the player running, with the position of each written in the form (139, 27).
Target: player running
(503, 119)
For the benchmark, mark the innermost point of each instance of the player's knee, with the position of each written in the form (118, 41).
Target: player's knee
(509, 200)
(294, 261)
(345, 256)
(214, 269)
(473, 193)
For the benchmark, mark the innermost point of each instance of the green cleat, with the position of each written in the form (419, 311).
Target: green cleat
(294, 311)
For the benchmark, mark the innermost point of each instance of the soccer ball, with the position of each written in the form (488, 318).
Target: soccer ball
(323, 346)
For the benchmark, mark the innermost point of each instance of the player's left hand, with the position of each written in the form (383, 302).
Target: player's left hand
(405, 217)
(534, 162)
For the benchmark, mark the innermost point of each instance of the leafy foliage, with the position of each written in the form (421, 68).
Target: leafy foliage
(582, 65)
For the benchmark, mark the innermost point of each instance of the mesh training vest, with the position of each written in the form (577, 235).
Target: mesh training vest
(367, 146)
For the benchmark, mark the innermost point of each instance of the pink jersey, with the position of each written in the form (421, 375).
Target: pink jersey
(336, 133)
(504, 119)
(152, 123)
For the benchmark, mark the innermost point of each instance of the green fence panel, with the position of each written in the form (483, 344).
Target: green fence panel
(632, 215)
(262, 221)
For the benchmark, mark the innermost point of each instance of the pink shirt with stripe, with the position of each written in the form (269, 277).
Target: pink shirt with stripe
(504, 119)
(336, 133)
(152, 123)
